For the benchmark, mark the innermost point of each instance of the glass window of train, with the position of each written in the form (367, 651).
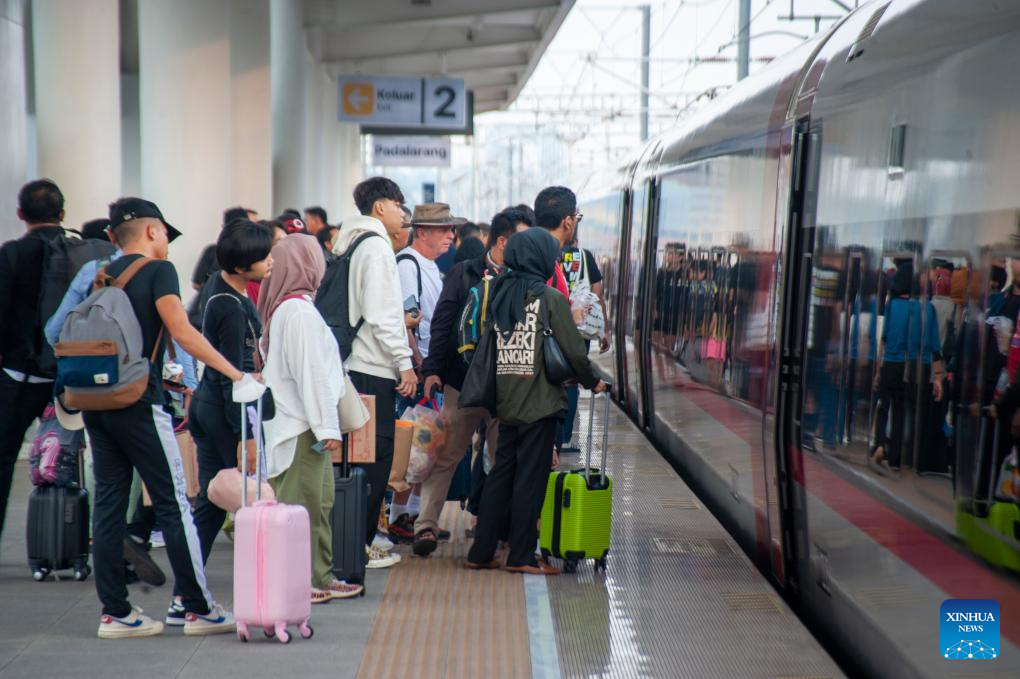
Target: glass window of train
(854, 390)
(895, 379)
(667, 277)
(825, 301)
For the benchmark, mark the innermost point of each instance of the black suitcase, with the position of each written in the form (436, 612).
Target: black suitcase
(348, 519)
(58, 531)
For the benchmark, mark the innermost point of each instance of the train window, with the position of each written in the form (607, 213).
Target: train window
(667, 300)
(896, 377)
(985, 420)
(948, 276)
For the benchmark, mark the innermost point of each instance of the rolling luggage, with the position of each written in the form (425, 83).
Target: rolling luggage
(272, 558)
(58, 531)
(577, 512)
(348, 519)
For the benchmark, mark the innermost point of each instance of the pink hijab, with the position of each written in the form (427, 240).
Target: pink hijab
(298, 268)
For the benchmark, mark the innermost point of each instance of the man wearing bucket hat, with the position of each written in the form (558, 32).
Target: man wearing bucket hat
(432, 227)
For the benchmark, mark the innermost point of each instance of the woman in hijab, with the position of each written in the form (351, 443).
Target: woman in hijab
(529, 407)
(303, 369)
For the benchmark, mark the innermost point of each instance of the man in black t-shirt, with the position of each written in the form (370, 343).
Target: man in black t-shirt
(141, 436)
(24, 388)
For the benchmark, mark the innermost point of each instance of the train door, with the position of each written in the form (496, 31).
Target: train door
(635, 314)
(787, 519)
(618, 313)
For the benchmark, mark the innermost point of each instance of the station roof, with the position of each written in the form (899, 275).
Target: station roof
(494, 45)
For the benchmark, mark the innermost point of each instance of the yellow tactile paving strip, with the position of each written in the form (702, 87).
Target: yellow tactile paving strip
(441, 621)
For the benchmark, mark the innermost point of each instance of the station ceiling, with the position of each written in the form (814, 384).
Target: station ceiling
(494, 45)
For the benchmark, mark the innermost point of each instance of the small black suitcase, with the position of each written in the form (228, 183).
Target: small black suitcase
(348, 519)
(58, 531)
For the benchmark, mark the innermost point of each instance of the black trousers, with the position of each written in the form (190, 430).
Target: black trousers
(216, 445)
(378, 473)
(141, 436)
(20, 404)
(892, 395)
(518, 481)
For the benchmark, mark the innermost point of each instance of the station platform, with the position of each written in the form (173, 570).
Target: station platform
(679, 599)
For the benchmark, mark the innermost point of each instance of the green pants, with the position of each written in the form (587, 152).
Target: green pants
(309, 483)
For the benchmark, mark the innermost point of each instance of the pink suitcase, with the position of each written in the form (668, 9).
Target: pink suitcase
(272, 561)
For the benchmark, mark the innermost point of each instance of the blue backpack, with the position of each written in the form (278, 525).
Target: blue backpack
(473, 318)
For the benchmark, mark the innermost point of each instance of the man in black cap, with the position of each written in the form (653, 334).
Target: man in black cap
(141, 436)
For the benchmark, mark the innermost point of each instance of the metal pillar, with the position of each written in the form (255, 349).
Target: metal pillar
(743, 38)
(646, 30)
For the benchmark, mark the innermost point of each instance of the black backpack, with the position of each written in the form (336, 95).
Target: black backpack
(63, 256)
(332, 299)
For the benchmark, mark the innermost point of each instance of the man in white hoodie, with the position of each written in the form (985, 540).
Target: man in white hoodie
(380, 360)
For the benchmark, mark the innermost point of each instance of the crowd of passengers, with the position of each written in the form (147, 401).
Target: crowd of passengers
(252, 316)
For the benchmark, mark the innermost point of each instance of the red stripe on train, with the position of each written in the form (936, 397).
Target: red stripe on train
(957, 574)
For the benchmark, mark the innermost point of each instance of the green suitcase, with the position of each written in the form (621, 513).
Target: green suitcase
(577, 511)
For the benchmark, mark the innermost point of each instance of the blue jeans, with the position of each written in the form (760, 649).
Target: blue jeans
(567, 428)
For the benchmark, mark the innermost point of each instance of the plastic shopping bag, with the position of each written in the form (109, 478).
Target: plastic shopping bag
(428, 439)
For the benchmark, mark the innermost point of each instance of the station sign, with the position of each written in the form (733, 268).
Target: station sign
(377, 101)
(411, 151)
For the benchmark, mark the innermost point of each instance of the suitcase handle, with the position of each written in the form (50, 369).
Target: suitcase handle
(605, 434)
(259, 452)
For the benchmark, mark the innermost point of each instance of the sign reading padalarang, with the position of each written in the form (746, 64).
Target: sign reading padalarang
(402, 102)
(411, 151)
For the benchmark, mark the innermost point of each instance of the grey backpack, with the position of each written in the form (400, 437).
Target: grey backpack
(100, 365)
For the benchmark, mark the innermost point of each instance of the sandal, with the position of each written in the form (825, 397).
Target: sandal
(425, 542)
(338, 589)
(320, 596)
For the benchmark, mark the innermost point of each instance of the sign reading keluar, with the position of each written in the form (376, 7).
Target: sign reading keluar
(402, 102)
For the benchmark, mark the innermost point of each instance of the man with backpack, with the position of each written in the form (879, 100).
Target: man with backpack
(139, 305)
(445, 368)
(35, 271)
(365, 312)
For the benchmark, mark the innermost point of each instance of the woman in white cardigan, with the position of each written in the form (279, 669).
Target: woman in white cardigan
(303, 369)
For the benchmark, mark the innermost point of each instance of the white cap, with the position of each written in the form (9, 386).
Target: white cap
(68, 418)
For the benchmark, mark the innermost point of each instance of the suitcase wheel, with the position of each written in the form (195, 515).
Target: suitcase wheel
(601, 563)
(242, 632)
(570, 565)
(282, 634)
(306, 630)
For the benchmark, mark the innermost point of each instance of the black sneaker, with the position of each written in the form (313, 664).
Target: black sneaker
(175, 615)
(148, 570)
(443, 535)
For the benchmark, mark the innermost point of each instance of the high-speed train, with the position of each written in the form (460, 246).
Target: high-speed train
(814, 283)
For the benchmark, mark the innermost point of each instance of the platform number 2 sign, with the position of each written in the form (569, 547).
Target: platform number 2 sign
(445, 103)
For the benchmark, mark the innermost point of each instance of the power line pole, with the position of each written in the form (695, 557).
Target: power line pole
(743, 38)
(646, 31)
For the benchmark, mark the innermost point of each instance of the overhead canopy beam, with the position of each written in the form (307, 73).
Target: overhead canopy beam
(367, 42)
(451, 61)
(394, 14)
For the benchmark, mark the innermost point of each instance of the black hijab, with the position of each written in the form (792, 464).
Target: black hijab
(532, 257)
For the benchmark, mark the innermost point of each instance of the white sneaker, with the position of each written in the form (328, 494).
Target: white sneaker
(217, 621)
(380, 559)
(132, 625)
(156, 540)
(382, 543)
